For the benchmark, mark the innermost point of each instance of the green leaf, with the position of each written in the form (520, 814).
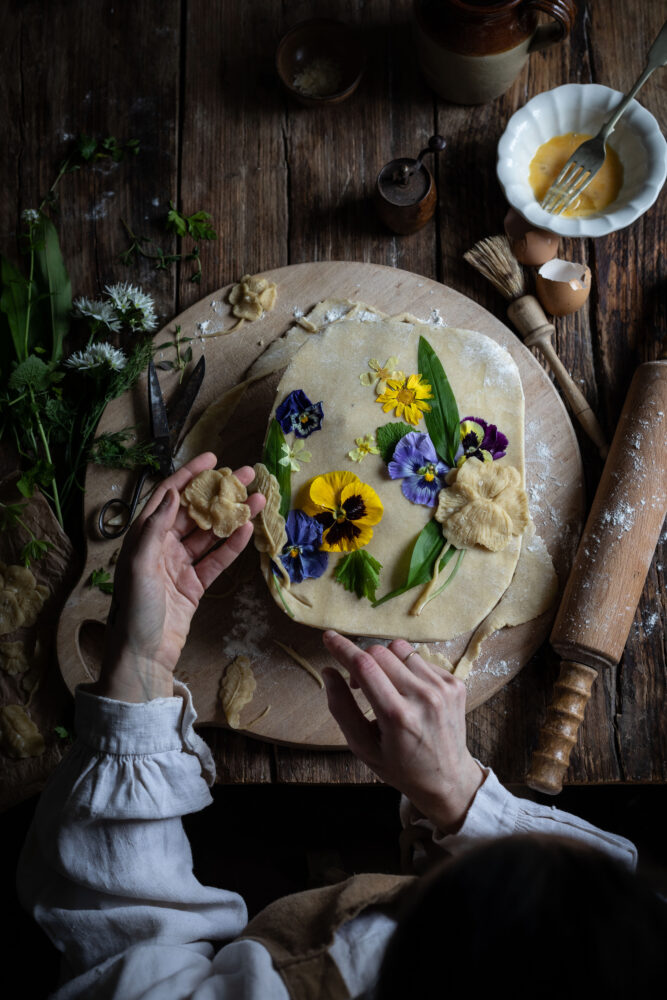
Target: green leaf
(175, 221)
(273, 452)
(86, 146)
(442, 420)
(32, 374)
(14, 304)
(53, 282)
(427, 546)
(34, 549)
(388, 436)
(360, 573)
(101, 579)
(62, 732)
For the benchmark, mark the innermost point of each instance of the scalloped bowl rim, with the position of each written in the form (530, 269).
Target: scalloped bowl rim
(547, 114)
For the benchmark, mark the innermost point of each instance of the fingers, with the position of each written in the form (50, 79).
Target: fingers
(212, 565)
(367, 672)
(157, 526)
(360, 734)
(416, 663)
(178, 480)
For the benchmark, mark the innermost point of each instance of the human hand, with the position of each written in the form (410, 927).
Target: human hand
(165, 565)
(417, 742)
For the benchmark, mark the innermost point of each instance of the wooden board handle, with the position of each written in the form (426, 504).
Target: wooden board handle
(528, 317)
(559, 732)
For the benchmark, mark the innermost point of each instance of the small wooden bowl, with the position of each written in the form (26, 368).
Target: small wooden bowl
(328, 51)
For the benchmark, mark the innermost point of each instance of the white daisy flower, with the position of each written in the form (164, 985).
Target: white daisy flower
(132, 306)
(97, 356)
(99, 312)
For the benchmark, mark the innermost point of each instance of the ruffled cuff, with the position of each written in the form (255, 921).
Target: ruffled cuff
(138, 760)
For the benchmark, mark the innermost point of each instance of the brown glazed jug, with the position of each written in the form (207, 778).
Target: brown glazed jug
(471, 51)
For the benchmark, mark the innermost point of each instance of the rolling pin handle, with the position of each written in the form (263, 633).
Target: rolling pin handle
(559, 732)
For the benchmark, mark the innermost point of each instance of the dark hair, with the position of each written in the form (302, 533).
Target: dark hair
(533, 915)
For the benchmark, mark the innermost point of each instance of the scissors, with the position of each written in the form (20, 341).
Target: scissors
(165, 429)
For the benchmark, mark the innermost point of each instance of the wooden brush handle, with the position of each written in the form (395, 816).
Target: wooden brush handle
(528, 317)
(559, 733)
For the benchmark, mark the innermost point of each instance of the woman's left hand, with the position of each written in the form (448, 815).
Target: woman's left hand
(165, 565)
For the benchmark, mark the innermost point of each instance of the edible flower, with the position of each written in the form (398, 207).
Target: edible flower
(301, 555)
(480, 440)
(97, 358)
(366, 445)
(380, 373)
(297, 415)
(294, 454)
(416, 462)
(483, 504)
(407, 397)
(346, 508)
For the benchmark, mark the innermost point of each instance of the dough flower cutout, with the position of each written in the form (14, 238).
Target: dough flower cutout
(297, 415)
(301, 555)
(480, 440)
(483, 505)
(366, 445)
(251, 297)
(407, 397)
(380, 373)
(215, 500)
(346, 508)
(416, 462)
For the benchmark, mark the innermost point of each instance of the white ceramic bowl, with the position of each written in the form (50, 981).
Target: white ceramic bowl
(576, 107)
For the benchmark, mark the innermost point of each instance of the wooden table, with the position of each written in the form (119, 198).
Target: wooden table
(194, 82)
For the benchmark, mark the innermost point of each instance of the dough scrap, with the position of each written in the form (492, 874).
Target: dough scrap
(215, 501)
(237, 690)
(19, 736)
(21, 598)
(251, 297)
(13, 659)
(532, 591)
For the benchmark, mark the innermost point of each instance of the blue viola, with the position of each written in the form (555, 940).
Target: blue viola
(423, 472)
(297, 415)
(301, 556)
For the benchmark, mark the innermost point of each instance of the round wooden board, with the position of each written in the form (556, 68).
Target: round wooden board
(223, 628)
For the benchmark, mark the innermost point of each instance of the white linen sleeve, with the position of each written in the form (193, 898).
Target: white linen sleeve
(495, 812)
(106, 869)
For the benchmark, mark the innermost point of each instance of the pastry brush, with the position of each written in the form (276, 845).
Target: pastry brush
(493, 258)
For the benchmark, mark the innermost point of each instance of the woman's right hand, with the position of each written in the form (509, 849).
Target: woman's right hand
(417, 742)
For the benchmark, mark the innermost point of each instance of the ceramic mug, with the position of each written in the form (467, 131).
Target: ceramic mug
(471, 51)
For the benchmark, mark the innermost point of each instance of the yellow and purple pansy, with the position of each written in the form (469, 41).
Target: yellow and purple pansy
(346, 508)
(480, 440)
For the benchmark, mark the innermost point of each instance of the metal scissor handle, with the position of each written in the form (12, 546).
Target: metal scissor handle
(122, 506)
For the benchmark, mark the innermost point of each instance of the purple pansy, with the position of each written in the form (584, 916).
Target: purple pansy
(416, 462)
(297, 415)
(301, 556)
(480, 440)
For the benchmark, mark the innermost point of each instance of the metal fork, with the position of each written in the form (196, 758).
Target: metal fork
(587, 159)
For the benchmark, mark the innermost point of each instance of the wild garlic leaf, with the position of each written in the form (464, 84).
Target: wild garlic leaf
(427, 546)
(442, 420)
(54, 285)
(14, 300)
(273, 452)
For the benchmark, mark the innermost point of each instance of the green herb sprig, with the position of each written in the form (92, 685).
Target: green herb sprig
(196, 226)
(101, 578)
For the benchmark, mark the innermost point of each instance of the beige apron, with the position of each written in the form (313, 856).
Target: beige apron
(297, 931)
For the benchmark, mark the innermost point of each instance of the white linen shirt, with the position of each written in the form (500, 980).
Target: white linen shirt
(106, 869)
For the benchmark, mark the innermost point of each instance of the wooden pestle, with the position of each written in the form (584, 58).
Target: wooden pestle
(528, 317)
(609, 570)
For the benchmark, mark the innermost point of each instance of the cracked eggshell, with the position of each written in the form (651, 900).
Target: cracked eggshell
(529, 245)
(563, 286)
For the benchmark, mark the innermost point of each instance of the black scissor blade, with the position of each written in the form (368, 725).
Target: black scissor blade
(159, 422)
(178, 411)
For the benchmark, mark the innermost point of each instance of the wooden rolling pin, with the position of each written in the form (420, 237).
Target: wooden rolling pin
(610, 568)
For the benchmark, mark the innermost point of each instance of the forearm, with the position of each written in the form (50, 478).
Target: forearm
(495, 812)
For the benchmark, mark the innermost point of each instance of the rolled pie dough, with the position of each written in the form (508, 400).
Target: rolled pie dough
(327, 366)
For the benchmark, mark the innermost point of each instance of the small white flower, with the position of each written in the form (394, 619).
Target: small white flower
(132, 306)
(294, 454)
(30, 215)
(97, 356)
(100, 312)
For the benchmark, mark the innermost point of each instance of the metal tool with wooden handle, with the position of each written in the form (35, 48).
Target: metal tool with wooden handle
(610, 568)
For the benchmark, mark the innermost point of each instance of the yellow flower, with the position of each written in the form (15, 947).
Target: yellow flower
(366, 446)
(483, 505)
(347, 509)
(406, 396)
(380, 373)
